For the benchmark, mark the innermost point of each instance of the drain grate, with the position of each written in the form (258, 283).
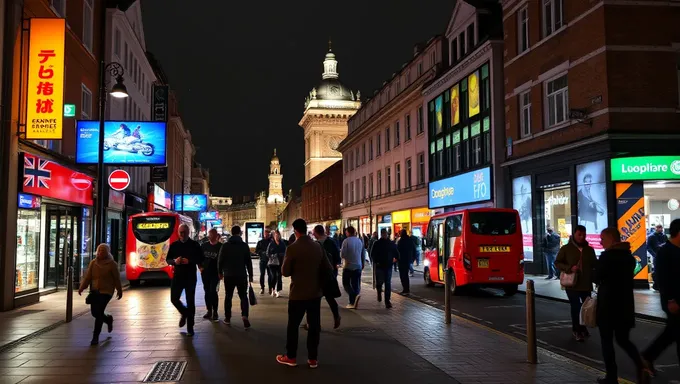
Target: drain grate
(165, 371)
(357, 330)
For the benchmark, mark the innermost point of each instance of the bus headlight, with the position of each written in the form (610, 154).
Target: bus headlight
(426, 263)
(133, 259)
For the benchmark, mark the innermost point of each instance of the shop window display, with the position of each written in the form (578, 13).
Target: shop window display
(592, 201)
(558, 211)
(28, 243)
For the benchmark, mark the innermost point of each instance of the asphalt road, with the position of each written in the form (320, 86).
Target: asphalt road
(553, 325)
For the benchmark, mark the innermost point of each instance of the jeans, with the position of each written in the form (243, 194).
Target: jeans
(210, 284)
(351, 281)
(417, 260)
(576, 299)
(670, 335)
(241, 285)
(403, 276)
(622, 335)
(264, 269)
(189, 288)
(274, 274)
(550, 262)
(98, 308)
(296, 311)
(384, 276)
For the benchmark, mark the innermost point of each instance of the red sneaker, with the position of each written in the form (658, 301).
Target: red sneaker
(285, 360)
(313, 363)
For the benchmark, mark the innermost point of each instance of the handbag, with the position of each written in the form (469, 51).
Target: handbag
(588, 315)
(251, 295)
(90, 296)
(570, 279)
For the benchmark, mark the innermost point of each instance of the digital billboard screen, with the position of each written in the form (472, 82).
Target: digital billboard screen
(192, 203)
(125, 142)
(204, 216)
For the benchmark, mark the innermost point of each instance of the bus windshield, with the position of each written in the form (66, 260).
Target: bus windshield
(493, 223)
(153, 229)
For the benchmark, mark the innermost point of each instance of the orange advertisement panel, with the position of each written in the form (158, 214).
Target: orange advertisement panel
(455, 105)
(420, 215)
(631, 221)
(45, 86)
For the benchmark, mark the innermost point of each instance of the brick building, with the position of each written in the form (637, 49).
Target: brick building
(591, 98)
(322, 199)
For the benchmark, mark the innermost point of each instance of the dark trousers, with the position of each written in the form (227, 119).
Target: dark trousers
(280, 282)
(332, 303)
(550, 262)
(351, 281)
(670, 335)
(384, 276)
(189, 288)
(210, 284)
(576, 299)
(622, 335)
(296, 311)
(98, 310)
(264, 269)
(274, 276)
(403, 276)
(241, 285)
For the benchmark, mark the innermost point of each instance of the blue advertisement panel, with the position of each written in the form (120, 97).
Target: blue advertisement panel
(125, 142)
(471, 187)
(204, 216)
(192, 203)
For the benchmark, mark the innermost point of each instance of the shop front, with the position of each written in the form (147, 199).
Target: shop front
(420, 219)
(115, 225)
(54, 225)
(365, 225)
(401, 220)
(384, 222)
(158, 199)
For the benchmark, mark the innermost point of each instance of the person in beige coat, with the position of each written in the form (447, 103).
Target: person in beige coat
(103, 277)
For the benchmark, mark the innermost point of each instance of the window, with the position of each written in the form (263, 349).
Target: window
(370, 149)
(397, 176)
(433, 58)
(387, 139)
(351, 192)
(455, 225)
(363, 188)
(377, 143)
(421, 168)
(470, 37)
(59, 6)
(379, 185)
(419, 70)
(461, 39)
(525, 113)
(408, 173)
(356, 198)
(388, 180)
(557, 94)
(125, 54)
(552, 16)
(116, 42)
(346, 194)
(85, 102)
(397, 138)
(370, 185)
(454, 51)
(88, 20)
(351, 161)
(493, 223)
(522, 29)
(363, 153)
(357, 161)
(419, 118)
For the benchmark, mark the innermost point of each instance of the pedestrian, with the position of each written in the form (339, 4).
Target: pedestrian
(407, 253)
(185, 255)
(103, 277)
(578, 258)
(236, 268)
(551, 245)
(654, 243)
(384, 254)
(210, 274)
(261, 251)
(276, 251)
(396, 241)
(304, 263)
(418, 244)
(352, 254)
(333, 255)
(291, 239)
(615, 312)
(668, 284)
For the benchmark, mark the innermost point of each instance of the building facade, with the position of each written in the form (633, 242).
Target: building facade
(327, 108)
(591, 105)
(385, 153)
(322, 199)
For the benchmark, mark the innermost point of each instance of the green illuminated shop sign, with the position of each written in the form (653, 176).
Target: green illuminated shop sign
(646, 168)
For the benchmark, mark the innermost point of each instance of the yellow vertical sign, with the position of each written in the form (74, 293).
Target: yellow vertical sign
(473, 94)
(45, 86)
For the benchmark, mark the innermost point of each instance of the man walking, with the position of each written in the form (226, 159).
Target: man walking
(551, 245)
(333, 255)
(352, 254)
(407, 253)
(384, 254)
(304, 263)
(210, 273)
(237, 270)
(185, 255)
(654, 243)
(261, 251)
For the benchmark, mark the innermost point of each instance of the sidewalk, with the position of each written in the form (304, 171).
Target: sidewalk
(409, 343)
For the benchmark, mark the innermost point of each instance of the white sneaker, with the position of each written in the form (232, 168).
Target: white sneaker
(350, 306)
(356, 302)
(276, 293)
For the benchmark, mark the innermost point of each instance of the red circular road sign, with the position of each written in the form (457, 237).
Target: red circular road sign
(119, 180)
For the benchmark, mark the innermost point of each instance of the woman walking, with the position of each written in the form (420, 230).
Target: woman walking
(103, 278)
(275, 251)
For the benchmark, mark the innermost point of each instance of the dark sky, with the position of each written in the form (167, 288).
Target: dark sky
(242, 69)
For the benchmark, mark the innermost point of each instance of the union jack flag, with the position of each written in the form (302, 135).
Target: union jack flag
(35, 175)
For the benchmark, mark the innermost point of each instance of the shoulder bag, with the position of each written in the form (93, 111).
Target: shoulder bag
(327, 280)
(570, 279)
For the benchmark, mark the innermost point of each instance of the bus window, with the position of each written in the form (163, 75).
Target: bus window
(455, 226)
(493, 223)
(153, 230)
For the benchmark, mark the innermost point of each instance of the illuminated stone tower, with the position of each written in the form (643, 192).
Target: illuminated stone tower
(275, 181)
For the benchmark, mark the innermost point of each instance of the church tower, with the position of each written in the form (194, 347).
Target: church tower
(327, 109)
(275, 181)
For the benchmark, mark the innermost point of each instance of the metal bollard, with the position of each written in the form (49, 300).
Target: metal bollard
(69, 295)
(448, 274)
(532, 351)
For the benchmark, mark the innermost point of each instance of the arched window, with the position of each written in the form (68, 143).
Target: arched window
(276, 171)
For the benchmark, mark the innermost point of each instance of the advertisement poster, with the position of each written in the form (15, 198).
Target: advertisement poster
(592, 201)
(158, 196)
(521, 201)
(192, 203)
(204, 216)
(439, 117)
(254, 233)
(473, 94)
(125, 142)
(631, 221)
(455, 105)
(152, 256)
(471, 187)
(46, 178)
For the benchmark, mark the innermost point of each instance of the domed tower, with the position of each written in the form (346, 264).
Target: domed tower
(275, 181)
(327, 108)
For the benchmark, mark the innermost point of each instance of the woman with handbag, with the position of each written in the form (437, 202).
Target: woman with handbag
(576, 260)
(275, 251)
(103, 277)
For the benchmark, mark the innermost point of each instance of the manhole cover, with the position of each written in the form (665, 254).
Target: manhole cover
(357, 330)
(165, 371)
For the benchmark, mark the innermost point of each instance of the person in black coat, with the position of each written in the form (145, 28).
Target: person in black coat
(615, 312)
(185, 255)
(407, 253)
(383, 254)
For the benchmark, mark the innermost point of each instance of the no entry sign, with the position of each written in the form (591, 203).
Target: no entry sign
(119, 180)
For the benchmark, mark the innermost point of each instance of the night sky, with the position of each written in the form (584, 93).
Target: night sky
(242, 70)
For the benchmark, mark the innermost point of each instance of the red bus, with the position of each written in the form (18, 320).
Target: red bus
(149, 236)
(482, 246)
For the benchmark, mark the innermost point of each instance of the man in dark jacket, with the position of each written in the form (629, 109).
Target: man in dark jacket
(185, 255)
(615, 311)
(384, 254)
(333, 256)
(669, 288)
(551, 245)
(210, 273)
(261, 251)
(236, 268)
(654, 243)
(407, 254)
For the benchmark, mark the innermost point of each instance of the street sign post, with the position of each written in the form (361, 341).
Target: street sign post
(119, 180)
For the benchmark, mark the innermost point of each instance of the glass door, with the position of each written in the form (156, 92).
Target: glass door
(62, 229)
(52, 228)
(28, 246)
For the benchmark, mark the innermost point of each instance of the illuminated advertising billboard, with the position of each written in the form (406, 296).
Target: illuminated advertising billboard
(192, 203)
(470, 187)
(254, 233)
(125, 142)
(204, 216)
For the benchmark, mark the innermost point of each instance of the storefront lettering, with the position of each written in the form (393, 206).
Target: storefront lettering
(644, 168)
(557, 200)
(442, 193)
(632, 225)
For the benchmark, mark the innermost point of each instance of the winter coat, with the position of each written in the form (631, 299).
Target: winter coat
(569, 256)
(614, 274)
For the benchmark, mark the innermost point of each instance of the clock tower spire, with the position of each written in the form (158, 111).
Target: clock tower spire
(275, 181)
